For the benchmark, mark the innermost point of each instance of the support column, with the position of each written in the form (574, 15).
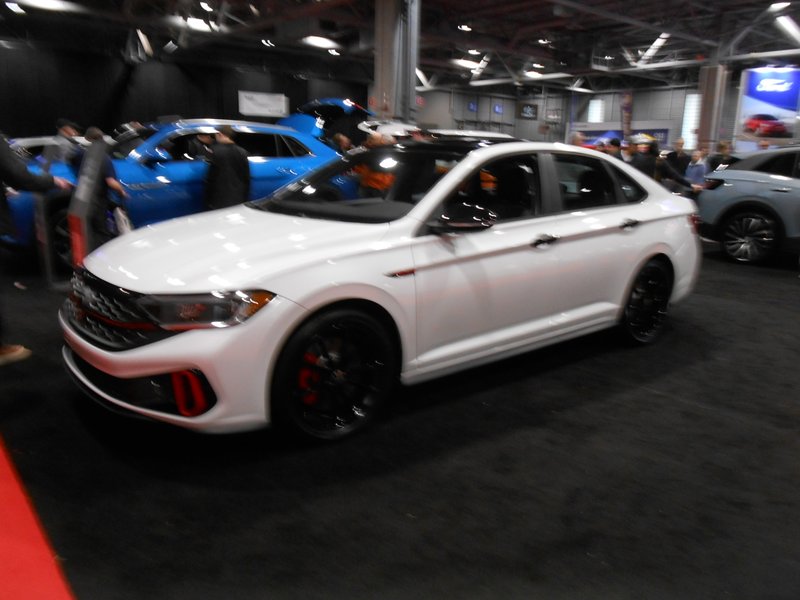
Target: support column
(713, 84)
(396, 49)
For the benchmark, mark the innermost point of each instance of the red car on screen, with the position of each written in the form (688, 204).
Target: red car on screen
(765, 125)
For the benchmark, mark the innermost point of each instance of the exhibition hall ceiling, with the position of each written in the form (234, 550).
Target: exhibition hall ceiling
(591, 45)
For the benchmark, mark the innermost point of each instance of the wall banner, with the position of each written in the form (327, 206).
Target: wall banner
(768, 102)
(259, 104)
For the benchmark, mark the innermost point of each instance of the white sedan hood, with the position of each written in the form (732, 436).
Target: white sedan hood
(233, 248)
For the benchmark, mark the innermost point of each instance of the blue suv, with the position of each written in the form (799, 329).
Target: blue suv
(164, 178)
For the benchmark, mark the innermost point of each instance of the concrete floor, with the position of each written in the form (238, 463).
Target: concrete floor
(587, 470)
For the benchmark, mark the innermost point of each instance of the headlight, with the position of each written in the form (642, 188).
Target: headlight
(201, 311)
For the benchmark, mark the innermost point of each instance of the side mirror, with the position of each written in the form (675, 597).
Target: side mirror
(462, 216)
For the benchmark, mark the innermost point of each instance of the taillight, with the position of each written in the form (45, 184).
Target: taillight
(694, 222)
(712, 184)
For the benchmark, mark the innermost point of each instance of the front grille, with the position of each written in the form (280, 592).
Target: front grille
(108, 315)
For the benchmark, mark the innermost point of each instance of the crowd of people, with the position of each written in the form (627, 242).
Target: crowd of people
(677, 169)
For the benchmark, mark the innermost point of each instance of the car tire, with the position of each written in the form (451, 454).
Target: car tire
(645, 315)
(334, 375)
(749, 237)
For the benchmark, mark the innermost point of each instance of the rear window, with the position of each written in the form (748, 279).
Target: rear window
(781, 163)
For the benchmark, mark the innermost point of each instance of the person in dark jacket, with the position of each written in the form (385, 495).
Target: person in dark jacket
(228, 177)
(65, 145)
(722, 157)
(650, 161)
(14, 174)
(678, 158)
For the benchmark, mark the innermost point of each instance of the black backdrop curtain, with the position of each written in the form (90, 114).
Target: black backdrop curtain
(41, 86)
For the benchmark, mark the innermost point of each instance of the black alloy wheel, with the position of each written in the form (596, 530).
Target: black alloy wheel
(334, 374)
(749, 237)
(645, 314)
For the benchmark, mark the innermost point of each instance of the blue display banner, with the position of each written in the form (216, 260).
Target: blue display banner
(778, 87)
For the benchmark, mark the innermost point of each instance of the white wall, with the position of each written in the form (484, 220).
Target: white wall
(492, 112)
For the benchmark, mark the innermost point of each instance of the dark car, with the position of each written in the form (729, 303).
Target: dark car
(752, 207)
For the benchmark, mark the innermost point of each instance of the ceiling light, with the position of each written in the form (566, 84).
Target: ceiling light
(197, 24)
(268, 43)
(145, 42)
(789, 27)
(206, 7)
(466, 64)
(473, 51)
(654, 47)
(778, 6)
(56, 5)
(14, 7)
(533, 74)
(170, 47)
(482, 65)
(333, 52)
(544, 41)
(319, 42)
(537, 66)
(464, 28)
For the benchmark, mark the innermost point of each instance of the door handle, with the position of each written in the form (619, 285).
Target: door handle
(544, 240)
(629, 224)
(785, 190)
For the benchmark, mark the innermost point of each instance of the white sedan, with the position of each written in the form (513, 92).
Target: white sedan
(306, 307)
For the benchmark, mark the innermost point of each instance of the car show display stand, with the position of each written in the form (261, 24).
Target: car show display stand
(85, 201)
(54, 272)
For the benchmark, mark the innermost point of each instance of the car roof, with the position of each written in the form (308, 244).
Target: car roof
(214, 123)
(457, 144)
(753, 160)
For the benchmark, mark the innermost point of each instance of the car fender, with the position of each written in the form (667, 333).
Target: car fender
(392, 293)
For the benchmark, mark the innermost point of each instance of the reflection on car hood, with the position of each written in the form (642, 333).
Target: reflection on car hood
(234, 248)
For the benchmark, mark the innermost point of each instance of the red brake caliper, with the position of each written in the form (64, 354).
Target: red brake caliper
(308, 379)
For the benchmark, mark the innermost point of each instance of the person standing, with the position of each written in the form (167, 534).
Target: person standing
(628, 151)
(614, 148)
(65, 146)
(103, 207)
(722, 157)
(697, 168)
(228, 177)
(15, 174)
(678, 159)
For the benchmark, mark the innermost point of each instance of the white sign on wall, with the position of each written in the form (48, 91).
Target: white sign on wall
(259, 104)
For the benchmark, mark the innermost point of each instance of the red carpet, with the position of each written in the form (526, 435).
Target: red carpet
(28, 570)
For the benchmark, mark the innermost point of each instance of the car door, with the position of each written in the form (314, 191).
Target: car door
(483, 291)
(164, 183)
(600, 228)
(275, 160)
